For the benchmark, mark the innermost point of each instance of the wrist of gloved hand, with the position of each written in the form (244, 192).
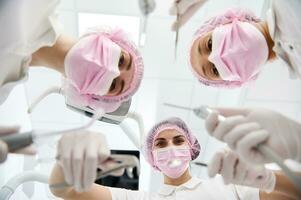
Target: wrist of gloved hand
(234, 171)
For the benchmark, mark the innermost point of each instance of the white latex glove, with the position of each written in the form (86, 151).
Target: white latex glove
(80, 154)
(7, 130)
(186, 9)
(235, 171)
(244, 129)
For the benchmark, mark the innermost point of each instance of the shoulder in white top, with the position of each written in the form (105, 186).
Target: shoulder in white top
(285, 29)
(26, 26)
(194, 189)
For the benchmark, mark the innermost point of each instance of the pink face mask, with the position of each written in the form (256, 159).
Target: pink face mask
(172, 161)
(91, 65)
(239, 50)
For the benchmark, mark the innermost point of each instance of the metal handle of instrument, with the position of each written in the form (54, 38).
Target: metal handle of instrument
(18, 141)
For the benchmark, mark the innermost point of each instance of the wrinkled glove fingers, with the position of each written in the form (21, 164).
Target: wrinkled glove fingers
(90, 167)
(66, 164)
(247, 146)
(103, 153)
(224, 127)
(228, 169)
(238, 132)
(228, 112)
(211, 122)
(215, 165)
(240, 172)
(77, 167)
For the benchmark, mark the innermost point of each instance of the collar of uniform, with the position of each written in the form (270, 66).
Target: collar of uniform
(271, 21)
(167, 190)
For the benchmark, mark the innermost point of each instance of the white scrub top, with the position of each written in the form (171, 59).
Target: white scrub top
(194, 189)
(26, 26)
(285, 29)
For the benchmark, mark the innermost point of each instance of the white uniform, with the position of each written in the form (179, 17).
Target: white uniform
(285, 29)
(26, 26)
(194, 189)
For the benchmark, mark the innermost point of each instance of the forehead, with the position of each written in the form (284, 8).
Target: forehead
(168, 134)
(197, 60)
(133, 67)
(129, 75)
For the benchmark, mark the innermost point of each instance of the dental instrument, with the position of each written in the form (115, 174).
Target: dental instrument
(21, 140)
(146, 7)
(203, 111)
(117, 117)
(177, 29)
(201, 164)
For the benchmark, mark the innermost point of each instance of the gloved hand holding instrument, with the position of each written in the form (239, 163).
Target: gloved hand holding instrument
(235, 171)
(80, 155)
(262, 148)
(18, 141)
(117, 165)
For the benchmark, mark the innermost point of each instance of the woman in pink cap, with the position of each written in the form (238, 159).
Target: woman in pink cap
(100, 70)
(169, 148)
(229, 50)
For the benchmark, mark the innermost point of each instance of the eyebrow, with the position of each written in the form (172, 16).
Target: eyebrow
(178, 136)
(159, 139)
(202, 67)
(130, 64)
